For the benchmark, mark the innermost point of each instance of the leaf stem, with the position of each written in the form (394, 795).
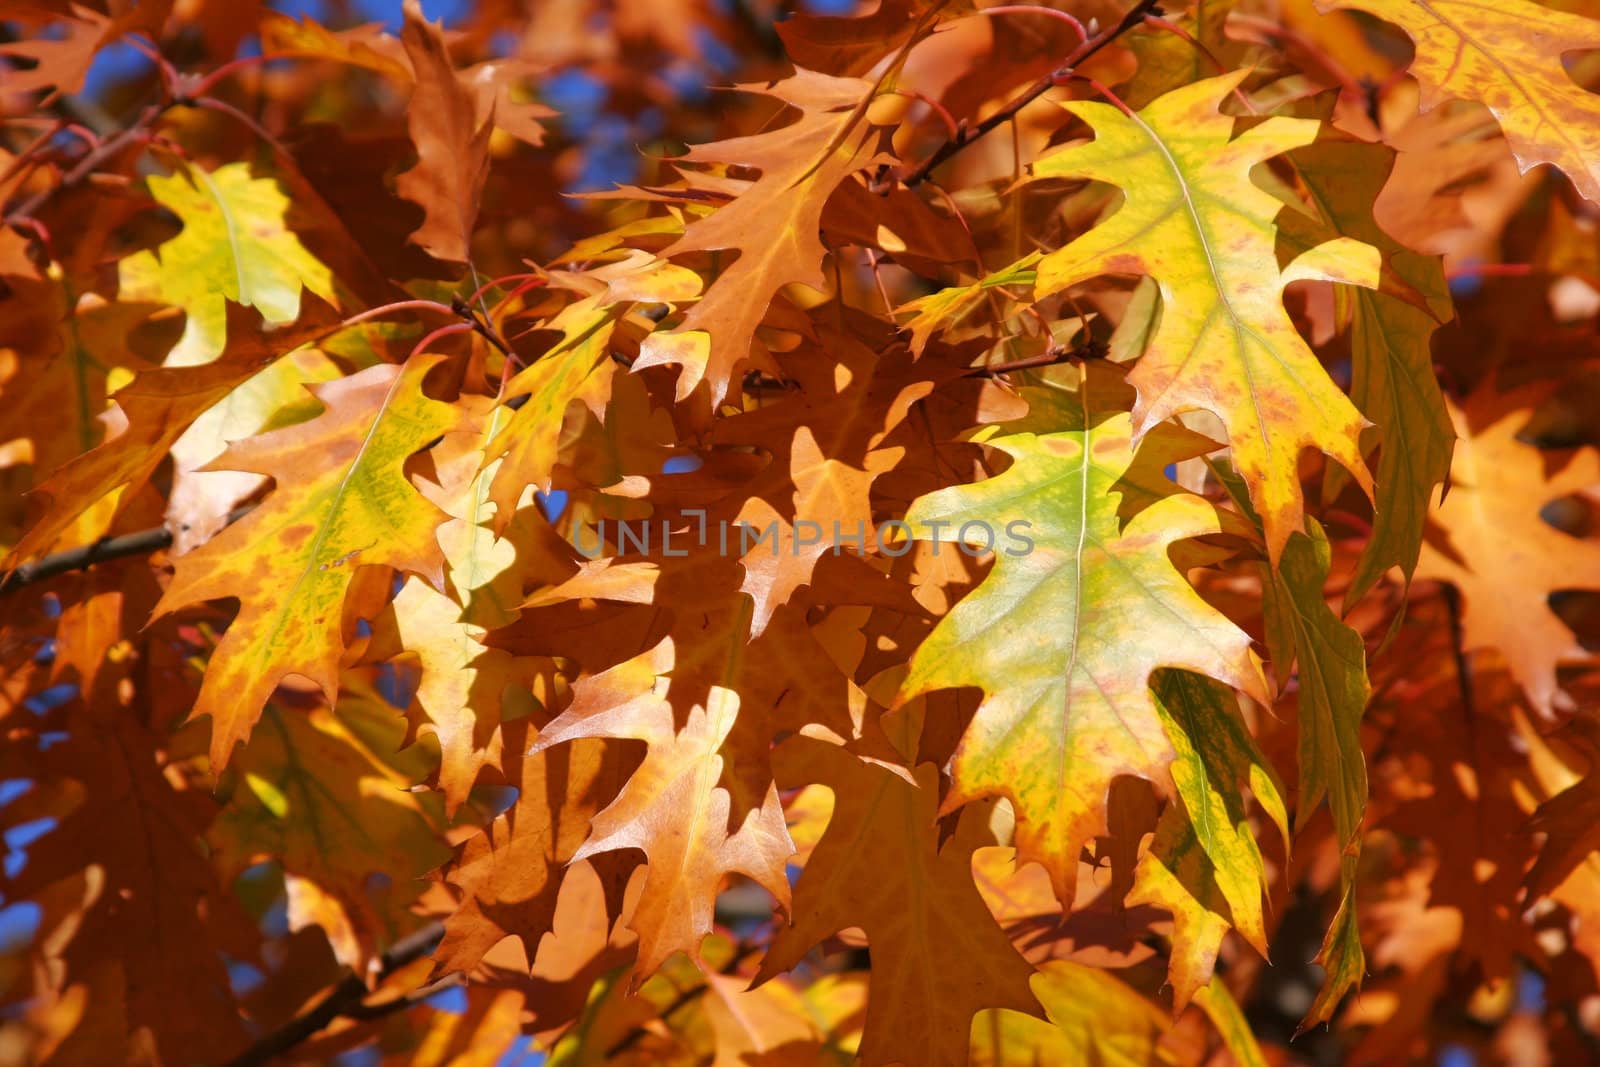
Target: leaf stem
(139, 130)
(968, 134)
(1031, 9)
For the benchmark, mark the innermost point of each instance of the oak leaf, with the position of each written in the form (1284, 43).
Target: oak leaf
(1067, 706)
(1390, 334)
(881, 866)
(1204, 865)
(1508, 56)
(235, 245)
(321, 792)
(509, 876)
(341, 501)
(1490, 541)
(452, 144)
(1095, 1017)
(774, 224)
(672, 807)
(1193, 220)
(159, 406)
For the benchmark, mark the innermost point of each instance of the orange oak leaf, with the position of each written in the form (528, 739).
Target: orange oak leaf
(774, 224)
(881, 866)
(156, 910)
(1489, 540)
(341, 501)
(509, 876)
(673, 807)
(827, 440)
(452, 144)
(61, 61)
(159, 405)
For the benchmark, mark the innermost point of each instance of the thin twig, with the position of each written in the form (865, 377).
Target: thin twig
(90, 162)
(347, 999)
(684, 998)
(1092, 350)
(483, 328)
(138, 543)
(1081, 54)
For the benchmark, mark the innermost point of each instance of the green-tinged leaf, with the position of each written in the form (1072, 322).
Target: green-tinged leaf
(1194, 221)
(160, 405)
(317, 795)
(1332, 674)
(1340, 957)
(235, 245)
(1205, 866)
(1063, 639)
(1333, 692)
(1232, 1026)
(341, 501)
(1390, 333)
(577, 368)
(1095, 1018)
(944, 310)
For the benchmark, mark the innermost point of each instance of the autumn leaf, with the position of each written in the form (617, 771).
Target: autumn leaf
(938, 312)
(1333, 693)
(1509, 57)
(318, 798)
(235, 246)
(1393, 382)
(61, 61)
(577, 367)
(155, 912)
(509, 876)
(773, 224)
(1079, 688)
(828, 445)
(1204, 865)
(159, 405)
(1490, 541)
(483, 583)
(673, 808)
(341, 502)
(881, 866)
(452, 145)
(1193, 220)
(1093, 1016)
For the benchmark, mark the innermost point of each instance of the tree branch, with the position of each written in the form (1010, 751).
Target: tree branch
(966, 135)
(347, 999)
(90, 162)
(138, 543)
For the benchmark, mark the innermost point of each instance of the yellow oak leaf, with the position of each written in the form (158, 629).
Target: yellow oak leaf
(1507, 55)
(341, 501)
(1194, 221)
(235, 245)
